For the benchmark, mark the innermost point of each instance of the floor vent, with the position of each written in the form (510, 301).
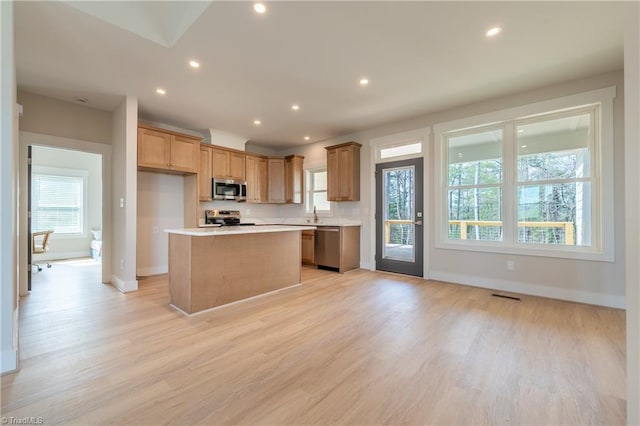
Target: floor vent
(505, 297)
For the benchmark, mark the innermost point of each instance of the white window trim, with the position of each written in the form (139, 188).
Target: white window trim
(376, 144)
(604, 168)
(399, 139)
(309, 212)
(84, 174)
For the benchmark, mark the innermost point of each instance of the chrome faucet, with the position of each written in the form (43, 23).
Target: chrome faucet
(315, 215)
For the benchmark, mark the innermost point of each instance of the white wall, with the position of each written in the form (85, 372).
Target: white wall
(8, 199)
(585, 281)
(61, 247)
(632, 207)
(124, 195)
(50, 116)
(157, 211)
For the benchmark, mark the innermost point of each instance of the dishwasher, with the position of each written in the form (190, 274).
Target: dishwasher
(327, 247)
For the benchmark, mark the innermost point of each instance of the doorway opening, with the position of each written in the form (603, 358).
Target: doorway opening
(64, 205)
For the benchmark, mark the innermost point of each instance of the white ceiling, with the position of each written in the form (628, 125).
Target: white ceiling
(420, 57)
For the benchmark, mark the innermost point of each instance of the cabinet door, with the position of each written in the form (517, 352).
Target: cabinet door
(263, 180)
(204, 174)
(276, 180)
(294, 178)
(220, 163)
(333, 178)
(236, 165)
(185, 154)
(308, 243)
(251, 171)
(345, 173)
(154, 149)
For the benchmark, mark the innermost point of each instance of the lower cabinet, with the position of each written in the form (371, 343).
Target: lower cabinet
(337, 248)
(308, 249)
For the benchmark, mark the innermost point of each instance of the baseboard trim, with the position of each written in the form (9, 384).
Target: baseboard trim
(152, 270)
(607, 300)
(9, 362)
(124, 286)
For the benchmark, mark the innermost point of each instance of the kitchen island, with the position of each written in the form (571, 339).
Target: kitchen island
(210, 267)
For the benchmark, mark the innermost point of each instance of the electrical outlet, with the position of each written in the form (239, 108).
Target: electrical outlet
(511, 265)
(122, 264)
(121, 202)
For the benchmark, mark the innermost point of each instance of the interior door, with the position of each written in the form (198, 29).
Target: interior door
(399, 217)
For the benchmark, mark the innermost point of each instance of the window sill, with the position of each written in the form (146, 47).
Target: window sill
(561, 252)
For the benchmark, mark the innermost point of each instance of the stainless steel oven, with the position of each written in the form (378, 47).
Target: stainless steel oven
(228, 189)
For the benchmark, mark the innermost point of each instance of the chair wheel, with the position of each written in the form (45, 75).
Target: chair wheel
(39, 269)
(48, 265)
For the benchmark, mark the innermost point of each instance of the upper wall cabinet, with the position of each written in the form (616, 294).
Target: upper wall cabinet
(343, 172)
(294, 179)
(228, 164)
(167, 151)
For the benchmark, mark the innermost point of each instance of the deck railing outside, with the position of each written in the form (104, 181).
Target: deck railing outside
(492, 226)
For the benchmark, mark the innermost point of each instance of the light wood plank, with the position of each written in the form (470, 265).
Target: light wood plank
(354, 348)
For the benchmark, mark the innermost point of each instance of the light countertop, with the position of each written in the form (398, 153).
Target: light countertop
(233, 230)
(295, 222)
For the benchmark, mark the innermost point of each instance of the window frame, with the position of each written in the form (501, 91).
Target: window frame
(84, 214)
(601, 151)
(309, 191)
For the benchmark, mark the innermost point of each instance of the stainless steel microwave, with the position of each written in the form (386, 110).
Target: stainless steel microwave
(228, 189)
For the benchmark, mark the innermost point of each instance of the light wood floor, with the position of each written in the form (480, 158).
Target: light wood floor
(359, 348)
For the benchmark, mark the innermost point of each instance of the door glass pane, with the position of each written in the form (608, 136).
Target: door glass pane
(399, 214)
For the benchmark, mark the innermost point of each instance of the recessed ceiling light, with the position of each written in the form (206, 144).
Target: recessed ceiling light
(364, 81)
(257, 122)
(459, 155)
(520, 130)
(160, 91)
(494, 32)
(306, 138)
(260, 7)
(295, 107)
(523, 146)
(194, 64)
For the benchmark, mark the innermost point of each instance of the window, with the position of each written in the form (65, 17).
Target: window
(401, 150)
(554, 179)
(58, 200)
(474, 190)
(539, 183)
(317, 191)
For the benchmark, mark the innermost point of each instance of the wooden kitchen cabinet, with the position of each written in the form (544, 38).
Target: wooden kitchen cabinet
(167, 151)
(228, 164)
(308, 243)
(256, 170)
(343, 172)
(294, 179)
(204, 173)
(276, 180)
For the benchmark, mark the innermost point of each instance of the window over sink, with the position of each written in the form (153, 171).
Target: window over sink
(317, 191)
